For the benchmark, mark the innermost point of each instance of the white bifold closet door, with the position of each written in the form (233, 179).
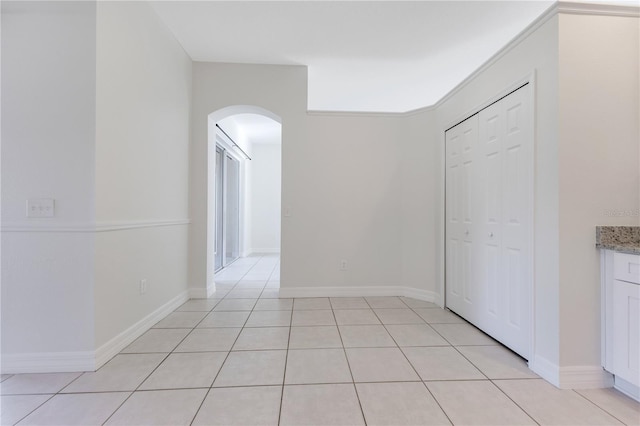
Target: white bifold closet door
(489, 195)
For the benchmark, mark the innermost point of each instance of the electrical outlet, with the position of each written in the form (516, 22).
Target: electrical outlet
(143, 286)
(343, 265)
(41, 207)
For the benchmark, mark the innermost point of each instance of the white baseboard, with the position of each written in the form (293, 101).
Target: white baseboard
(585, 377)
(545, 369)
(202, 293)
(198, 292)
(211, 289)
(110, 349)
(425, 295)
(263, 251)
(356, 291)
(339, 291)
(572, 377)
(48, 362)
(62, 362)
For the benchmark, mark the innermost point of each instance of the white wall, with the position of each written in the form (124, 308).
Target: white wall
(343, 180)
(95, 107)
(142, 161)
(421, 158)
(265, 197)
(599, 164)
(587, 164)
(350, 182)
(282, 90)
(537, 53)
(48, 117)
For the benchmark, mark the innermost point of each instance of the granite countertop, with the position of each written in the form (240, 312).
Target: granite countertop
(623, 239)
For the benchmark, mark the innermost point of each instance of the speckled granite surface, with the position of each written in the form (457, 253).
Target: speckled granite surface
(624, 239)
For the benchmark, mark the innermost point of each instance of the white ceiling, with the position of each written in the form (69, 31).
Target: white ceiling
(390, 56)
(387, 56)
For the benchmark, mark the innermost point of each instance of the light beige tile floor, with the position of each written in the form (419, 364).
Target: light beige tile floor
(247, 357)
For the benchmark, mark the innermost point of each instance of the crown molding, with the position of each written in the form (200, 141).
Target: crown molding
(319, 113)
(598, 9)
(561, 7)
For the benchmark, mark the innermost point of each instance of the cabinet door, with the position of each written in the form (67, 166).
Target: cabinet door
(626, 331)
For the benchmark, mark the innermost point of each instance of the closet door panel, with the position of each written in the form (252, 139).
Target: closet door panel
(470, 288)
(461, 199)
(491, 138)
(516, 225)
(454, 267)
(489, 219)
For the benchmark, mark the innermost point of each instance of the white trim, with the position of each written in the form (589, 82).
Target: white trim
(356, 291)
(571, 377)
(407, 113)
(551, 12)
(48, 225)
(202, 293)
(545, 369)
(198, 293)
(258, 251)
(564, 7)
(85, 227)
(110, 349)
(585, 377)
(598, 9)
(321, 113)
(48, 362)
(528, 79)
(425, 295)
(341, 291)
(523, 35)
(119, 226)
(211, 289)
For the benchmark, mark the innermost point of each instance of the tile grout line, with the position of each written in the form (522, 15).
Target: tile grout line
(167, 356)
(149, 375)
(495, 385)
(409, 361)
(474, 366)
(344, 351)
(217, 373)
(236, 286)
(286, 359)
(223, 362)
(40, 405)
(514, 402)
(602, 408)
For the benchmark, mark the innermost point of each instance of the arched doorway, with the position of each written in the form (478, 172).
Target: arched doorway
(243, 199)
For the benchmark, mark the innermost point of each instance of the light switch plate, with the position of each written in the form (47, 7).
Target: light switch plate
(41, 207)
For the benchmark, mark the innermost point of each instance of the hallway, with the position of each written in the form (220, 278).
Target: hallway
(249, 357)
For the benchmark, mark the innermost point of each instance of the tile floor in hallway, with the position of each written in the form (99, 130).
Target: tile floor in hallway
(247, 357)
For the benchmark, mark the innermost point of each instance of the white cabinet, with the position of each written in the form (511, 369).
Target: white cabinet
(489, 220)
(621, 306)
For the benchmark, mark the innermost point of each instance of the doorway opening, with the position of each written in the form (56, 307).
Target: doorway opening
(244, 196)
(227, 239)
